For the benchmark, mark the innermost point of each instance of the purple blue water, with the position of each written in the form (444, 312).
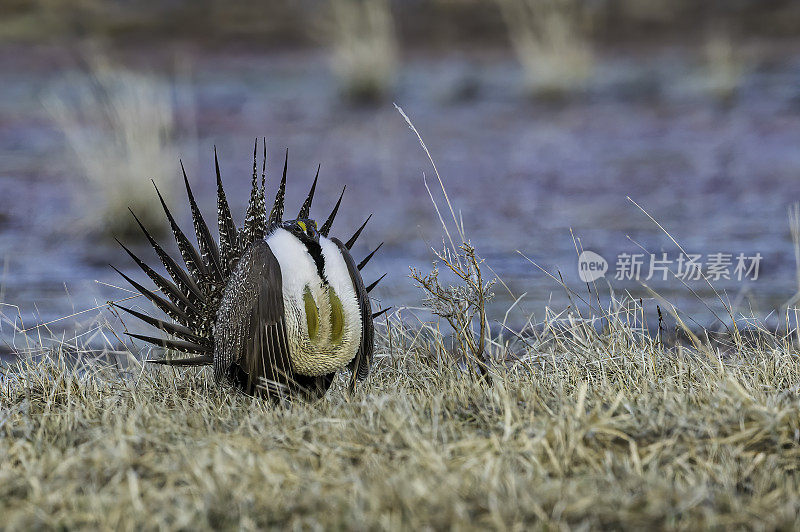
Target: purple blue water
(526, 176)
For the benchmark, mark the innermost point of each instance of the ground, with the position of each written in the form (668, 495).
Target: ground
(606, 429)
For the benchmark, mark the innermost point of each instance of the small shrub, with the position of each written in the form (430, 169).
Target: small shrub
(364, 48)
(550, 39)
(120, 125)
(724, 66)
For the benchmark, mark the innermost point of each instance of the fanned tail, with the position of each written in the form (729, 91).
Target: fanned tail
(276, 214)
(194, 264)
(191, 297)
(326, 227)
(228, 234)
(366, 259)
(375, 283)
(349, 243)
(209, 251)
(305, 210)
(254, 220)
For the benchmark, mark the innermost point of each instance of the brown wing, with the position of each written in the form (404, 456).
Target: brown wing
(363, 359)
(251, 344)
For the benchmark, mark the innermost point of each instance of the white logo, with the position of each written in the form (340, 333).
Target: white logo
(591, 266)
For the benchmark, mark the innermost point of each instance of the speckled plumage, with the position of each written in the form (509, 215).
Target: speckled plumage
(238, 305)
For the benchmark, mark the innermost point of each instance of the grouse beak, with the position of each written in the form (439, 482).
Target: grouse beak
(310, 230)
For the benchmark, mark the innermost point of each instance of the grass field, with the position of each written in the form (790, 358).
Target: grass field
(590, 428)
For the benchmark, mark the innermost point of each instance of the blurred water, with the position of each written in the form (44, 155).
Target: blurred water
(525, 176)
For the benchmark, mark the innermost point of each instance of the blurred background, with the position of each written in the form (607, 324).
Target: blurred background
(543, 117)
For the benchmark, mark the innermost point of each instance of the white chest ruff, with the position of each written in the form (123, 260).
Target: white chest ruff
(325, 353)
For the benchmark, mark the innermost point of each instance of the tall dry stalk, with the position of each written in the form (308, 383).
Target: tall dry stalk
(464, 303)
(364, 48)
(551, 42)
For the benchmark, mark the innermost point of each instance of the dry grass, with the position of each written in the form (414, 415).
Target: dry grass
(364, 48)
(605, 429)
(550, 39)
(120, 125)
(725, 65)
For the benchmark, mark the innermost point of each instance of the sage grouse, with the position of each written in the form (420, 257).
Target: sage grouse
(277, 307)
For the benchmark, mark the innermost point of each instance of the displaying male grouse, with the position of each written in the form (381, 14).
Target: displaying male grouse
(277, 307)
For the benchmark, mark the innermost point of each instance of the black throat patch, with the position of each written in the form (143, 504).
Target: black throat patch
(315, 250)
